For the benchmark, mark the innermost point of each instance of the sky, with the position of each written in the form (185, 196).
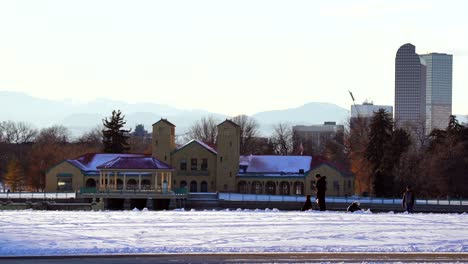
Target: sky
(35, 233)
(229, 57)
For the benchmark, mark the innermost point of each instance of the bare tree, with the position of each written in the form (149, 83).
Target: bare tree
(54, 134)
(204, 129)
(17, 133)
(356, 141)
(282, 138)
(92, 138)
(249, 133)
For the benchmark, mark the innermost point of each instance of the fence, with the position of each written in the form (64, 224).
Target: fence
(251, 197)
(333, 199)
(36, 195)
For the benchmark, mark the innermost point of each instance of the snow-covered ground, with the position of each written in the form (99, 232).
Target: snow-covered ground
(31, 232)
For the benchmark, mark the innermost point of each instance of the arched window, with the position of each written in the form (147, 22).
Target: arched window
(256, 187)
(270, 188)
(90, 183)
(298, 188)
(132, 184)
(145, 184)
(119, 184)
(204, 186)
(193, 186)
(183, 184)
(242, 187)
(284, 188)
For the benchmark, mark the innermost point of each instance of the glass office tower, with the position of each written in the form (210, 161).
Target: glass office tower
(410, 90)
(438, 90)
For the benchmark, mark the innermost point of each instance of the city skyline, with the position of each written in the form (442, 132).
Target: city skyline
(231, 58)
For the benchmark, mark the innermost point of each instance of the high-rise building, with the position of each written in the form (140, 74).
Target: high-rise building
(410, 89)
(423, 89)
(438, 90)
(312, 139)
(366, 111)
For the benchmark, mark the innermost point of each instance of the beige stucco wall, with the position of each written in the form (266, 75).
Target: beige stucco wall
(333, 175)
(194, 151)
(64, 167)
(276, 180)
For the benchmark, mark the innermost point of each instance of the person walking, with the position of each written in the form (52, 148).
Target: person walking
(308, 204)
(321, 187)
(408, 200)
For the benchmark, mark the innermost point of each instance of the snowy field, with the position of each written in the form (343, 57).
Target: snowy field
(31, 232)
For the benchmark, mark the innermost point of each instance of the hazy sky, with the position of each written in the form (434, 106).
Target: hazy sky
(228, 57)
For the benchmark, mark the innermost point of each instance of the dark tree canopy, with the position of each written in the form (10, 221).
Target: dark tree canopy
(249, 134)
(140, 131)
(384, 149)
(114, 136)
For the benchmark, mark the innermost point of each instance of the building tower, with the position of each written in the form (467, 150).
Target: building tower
(438, 90)
(410, 89)
(228, 147)
(163, 140)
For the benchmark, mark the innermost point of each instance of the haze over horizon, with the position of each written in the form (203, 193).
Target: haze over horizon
(224, 57)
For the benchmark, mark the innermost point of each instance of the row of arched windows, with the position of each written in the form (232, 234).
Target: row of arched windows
(194, 186)
(131, 184)
(270, 187)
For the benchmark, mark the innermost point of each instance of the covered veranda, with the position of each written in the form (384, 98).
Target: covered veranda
(135, 174)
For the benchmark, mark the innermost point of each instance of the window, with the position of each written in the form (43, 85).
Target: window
(312, 185)
(193, 186)
(336, 186)
(64, 184)
(193, 164)
(204, 165)
(183, 165)
(221, 159)
(204, 186)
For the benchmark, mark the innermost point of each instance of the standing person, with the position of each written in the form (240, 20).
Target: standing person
(307, 205)
(408, 200)
(321, 186)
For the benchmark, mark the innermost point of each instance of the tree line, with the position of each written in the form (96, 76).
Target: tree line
(383, 158)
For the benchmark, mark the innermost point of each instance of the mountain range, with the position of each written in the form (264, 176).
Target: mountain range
(81, 117)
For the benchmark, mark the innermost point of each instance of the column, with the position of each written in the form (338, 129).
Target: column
(156, 181)
(125, 182)
(115, 180)
(108, 180)
(100, 180)
(169, 181)
(139, 181)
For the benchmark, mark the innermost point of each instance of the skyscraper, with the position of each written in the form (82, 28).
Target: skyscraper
(438, 90)
(423, 90)
(410, 89)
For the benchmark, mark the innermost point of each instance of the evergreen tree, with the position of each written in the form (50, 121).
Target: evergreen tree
(140, 131)
(114, 137)
(15, 176)
(379, 136)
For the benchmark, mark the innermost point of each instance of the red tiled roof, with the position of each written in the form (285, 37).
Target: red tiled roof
(275, 163)
(229, 121)
(135, 163)
(89, 162)
(165, 121)
(318, 161)
(203, 144)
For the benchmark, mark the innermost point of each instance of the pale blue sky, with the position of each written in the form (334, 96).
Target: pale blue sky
(229, 57)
